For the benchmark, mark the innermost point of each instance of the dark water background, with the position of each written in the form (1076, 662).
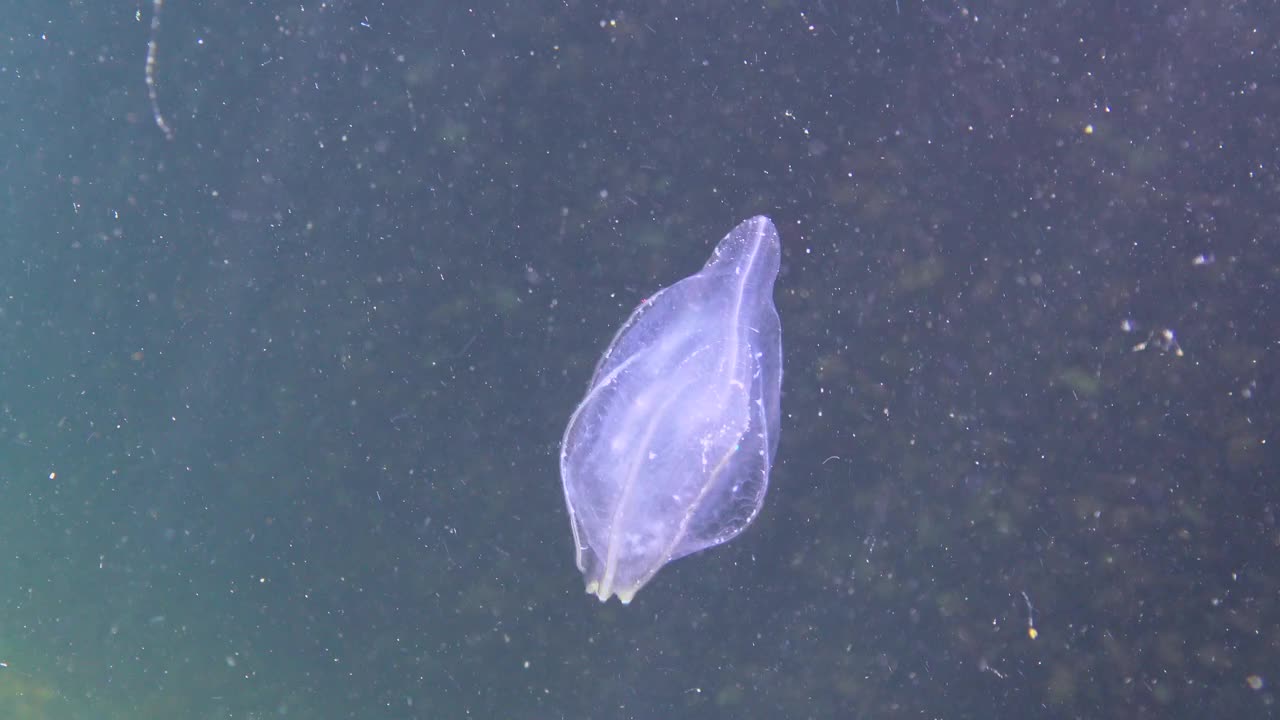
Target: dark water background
(280, 398)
